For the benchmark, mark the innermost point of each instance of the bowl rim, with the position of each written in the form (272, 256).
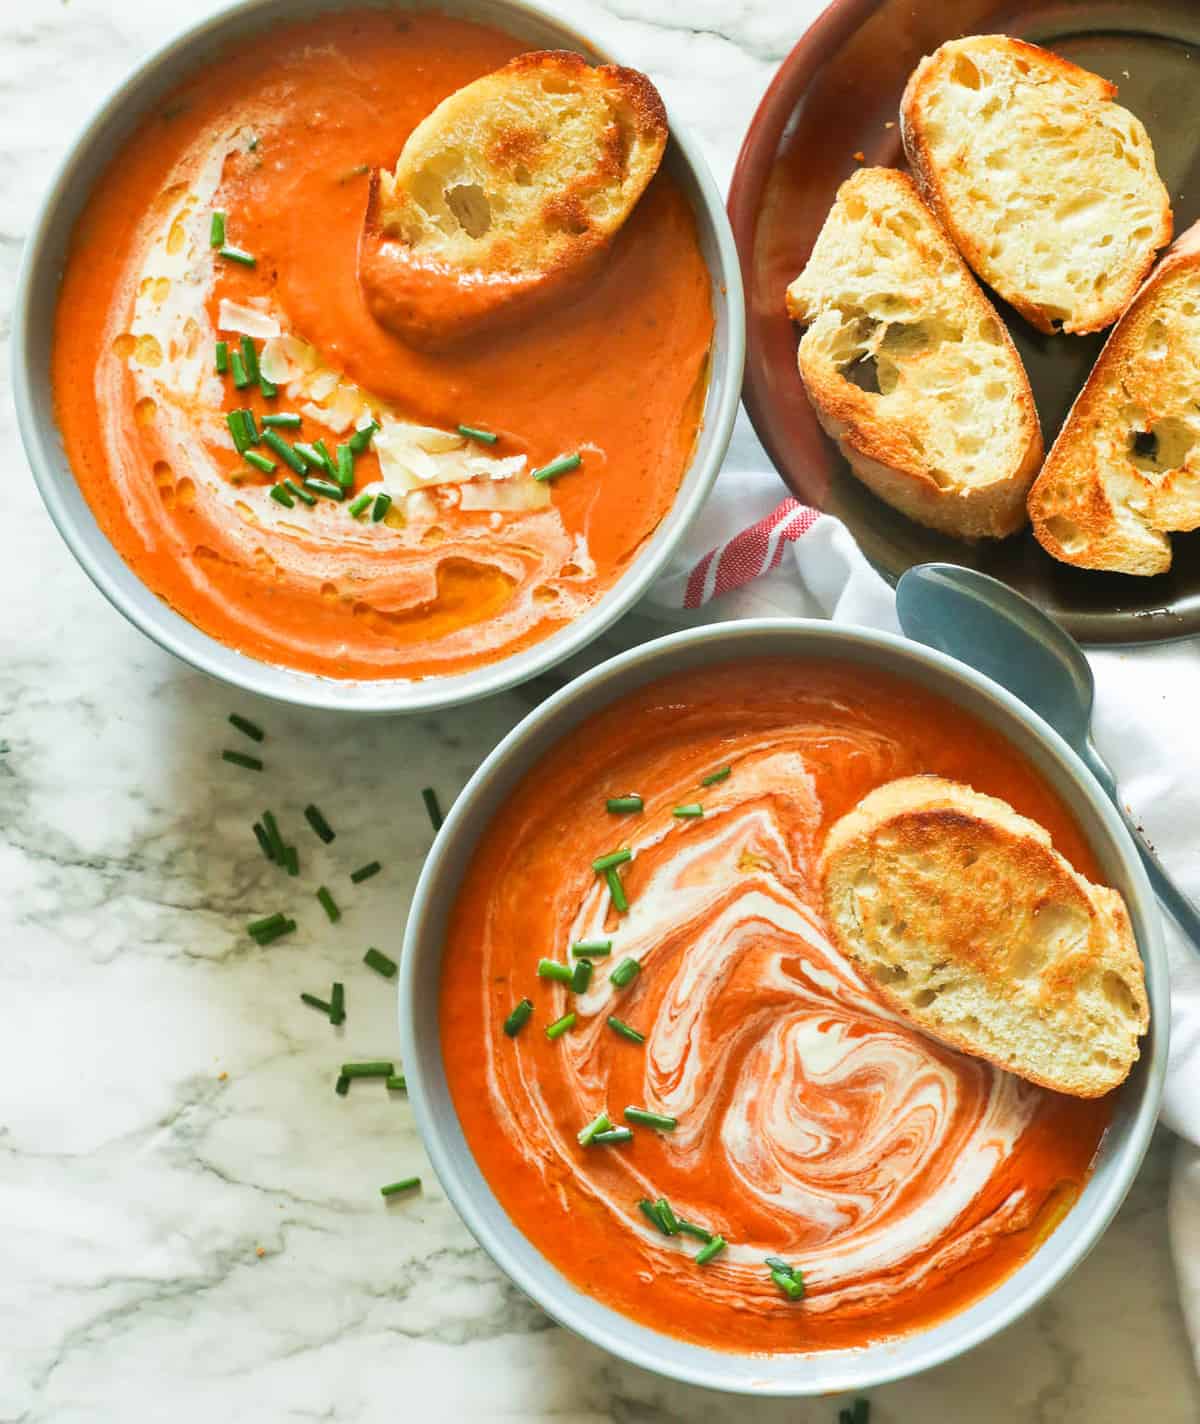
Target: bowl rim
(591, 1318)
(157, 619)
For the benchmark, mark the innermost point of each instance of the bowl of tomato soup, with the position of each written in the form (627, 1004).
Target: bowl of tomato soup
(659, 819)
(272, 485)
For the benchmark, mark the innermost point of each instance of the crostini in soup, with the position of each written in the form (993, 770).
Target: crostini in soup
(292, 477)
(680, 1089)
(508, 195)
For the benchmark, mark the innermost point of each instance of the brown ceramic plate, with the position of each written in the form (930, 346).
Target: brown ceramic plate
(836, 95)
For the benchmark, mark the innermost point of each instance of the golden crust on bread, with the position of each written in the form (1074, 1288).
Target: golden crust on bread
(1047, 185)
(967, 921)
(1125, 469)
(507, 194)
(949, 434)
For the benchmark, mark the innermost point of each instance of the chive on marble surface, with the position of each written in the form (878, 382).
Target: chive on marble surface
(167, 1108)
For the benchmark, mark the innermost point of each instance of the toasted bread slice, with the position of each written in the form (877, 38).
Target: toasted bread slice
(970, 924)
(507, 193)
(1046, 185)
(1125, 469)
(908, 367)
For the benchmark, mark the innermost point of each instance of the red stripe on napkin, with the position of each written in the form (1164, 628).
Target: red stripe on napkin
(749, 554)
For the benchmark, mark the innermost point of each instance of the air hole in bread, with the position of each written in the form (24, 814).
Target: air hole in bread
(863, 373)
(924, 997)
(1144, 443)
(1165, 446)
(1065, 533)
(888, 973)
(966, 73)
(1120, 995)
(522, 176)
(469, 204)
(1156, 341)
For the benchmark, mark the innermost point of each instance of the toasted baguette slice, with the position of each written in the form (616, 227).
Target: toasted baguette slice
(971, 925)
(908, 367)
(507, 193)
(1047, 186)
(1125, 469)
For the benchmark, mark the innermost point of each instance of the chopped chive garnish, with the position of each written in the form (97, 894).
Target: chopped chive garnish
(558, 467)
(251, 763)
(264, 840)
(344, 467)
(329, 905)
(307, 453)
(650, 1211)
(285, 452)
(269, 389)
(473, 432)
(644, 1118)
(551, 969)
(318, 822)
(520, 1016)
(325, 488)
(251, 428)
(266, 467)
(359, 441)
(238, 254)
(337, 1000)
(587, 1134)
(669, 1219)
(613, 1135)
(373, 1068)
(268, 922)
(582, 976)
(606, 862)
(236, 421)
(714, 1248)
(627, 970)
(383, 502)
(689, 811)
(616, 891)
(689, 1228)
(364, 872)
(777, 1263)
(326, 458)
(221, 358)
(358, 506)
(342, 1086)
(272, 828)
(243, 724)
(283, 420)
(303, 495)
(241, 377)
(278, 493)
(560, 1026)
(398, 1083)
(429, 796)
(272, 935)
(409, 1184)
(291, 860)
(591, 948)
(373, 959)
(216, 230)
(250, 358)
(625, 1030)
(714, 776)
(623, 805)
(791, 1286)
(316, 1003)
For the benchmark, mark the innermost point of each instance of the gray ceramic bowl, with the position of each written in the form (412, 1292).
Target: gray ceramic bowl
(37, 293)
(1120, 1153)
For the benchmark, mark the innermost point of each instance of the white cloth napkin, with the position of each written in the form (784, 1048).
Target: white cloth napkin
(754, 552)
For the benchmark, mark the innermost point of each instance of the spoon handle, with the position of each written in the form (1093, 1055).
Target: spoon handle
(1174, 901)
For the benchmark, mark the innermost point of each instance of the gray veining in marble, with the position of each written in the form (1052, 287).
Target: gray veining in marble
(190, 1228)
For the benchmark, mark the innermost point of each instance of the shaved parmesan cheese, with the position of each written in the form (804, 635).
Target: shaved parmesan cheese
(514, 495)
(235, 316)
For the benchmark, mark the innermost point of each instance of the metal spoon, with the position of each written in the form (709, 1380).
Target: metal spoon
(983, 623)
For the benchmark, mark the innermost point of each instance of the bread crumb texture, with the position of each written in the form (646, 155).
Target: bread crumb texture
(908, 365)
(1125, 469)
(1046, 184)
(971, 925)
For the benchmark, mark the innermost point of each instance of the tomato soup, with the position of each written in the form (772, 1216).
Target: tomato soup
(903, 1179)
(472, 559)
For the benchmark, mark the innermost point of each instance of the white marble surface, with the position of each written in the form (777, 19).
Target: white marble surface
(166, 1104)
